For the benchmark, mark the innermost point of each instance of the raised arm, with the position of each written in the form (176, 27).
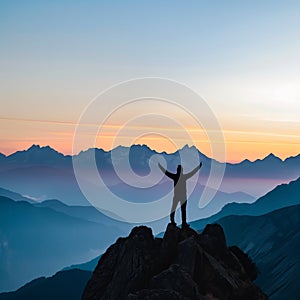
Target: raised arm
(169, 174)
(193, 172)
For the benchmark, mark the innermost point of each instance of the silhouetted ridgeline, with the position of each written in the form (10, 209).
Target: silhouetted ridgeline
(64, 285)
(44, 172)
(38, 241)
(182, 265)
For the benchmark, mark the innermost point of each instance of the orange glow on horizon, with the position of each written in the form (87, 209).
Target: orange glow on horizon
(240, 144)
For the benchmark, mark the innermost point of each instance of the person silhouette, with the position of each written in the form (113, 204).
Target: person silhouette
(179, 180)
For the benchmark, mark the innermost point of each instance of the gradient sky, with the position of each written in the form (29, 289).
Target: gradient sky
(243, 57)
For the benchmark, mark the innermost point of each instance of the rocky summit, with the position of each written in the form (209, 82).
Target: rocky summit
(182, 265)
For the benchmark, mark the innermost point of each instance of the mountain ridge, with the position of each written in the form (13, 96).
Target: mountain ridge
(29, 172)
(275, 249)
(14, 196)
(70, 282)
(257, 252)
(37, 147)
(269, 202)
(39, 241)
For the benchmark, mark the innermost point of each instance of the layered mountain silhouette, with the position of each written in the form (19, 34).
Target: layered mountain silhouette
(271, 240)
(88, 213)
(183, 264)
(87, 266)
(29, 172)
(14, 196)
(283, 195)
(38, 155)
(40, 238)
(64, 285)
(38, 241)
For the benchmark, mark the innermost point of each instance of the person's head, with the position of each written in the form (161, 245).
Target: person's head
(179, 169)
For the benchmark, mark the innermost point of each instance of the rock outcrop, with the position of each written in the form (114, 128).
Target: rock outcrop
(182, 265)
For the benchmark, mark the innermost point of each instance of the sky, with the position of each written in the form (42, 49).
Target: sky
(242, 57)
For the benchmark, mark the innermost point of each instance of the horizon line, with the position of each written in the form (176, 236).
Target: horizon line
(159, 152)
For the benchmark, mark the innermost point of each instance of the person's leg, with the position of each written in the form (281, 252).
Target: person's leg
(172, 214)
(172, 217)
(183, 213)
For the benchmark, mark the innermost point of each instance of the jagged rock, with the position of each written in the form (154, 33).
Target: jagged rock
(175, 278)
(213, 240)
(156, 294)
(182, 265)
(169, 244)
(248, 265)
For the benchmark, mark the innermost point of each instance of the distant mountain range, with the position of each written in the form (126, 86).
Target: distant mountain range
(14, 196)
(271, 239)
(64, 285)
(283, 195)
(87, 266)
(39, 241)
(88, 213)
(40, 237)
(43, 173)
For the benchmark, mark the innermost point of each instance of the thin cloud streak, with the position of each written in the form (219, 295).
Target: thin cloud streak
(142, 127)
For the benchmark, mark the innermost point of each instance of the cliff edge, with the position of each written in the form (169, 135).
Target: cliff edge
(182, 265)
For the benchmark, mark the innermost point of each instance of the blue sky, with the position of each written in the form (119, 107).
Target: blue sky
(242, 56)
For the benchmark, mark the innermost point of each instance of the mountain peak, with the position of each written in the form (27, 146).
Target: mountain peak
(187, 147)
(36, 147)
(36, 154)
(33, 147)
(140, 146)
(182, 265)
(272, 156)
(245, 161)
